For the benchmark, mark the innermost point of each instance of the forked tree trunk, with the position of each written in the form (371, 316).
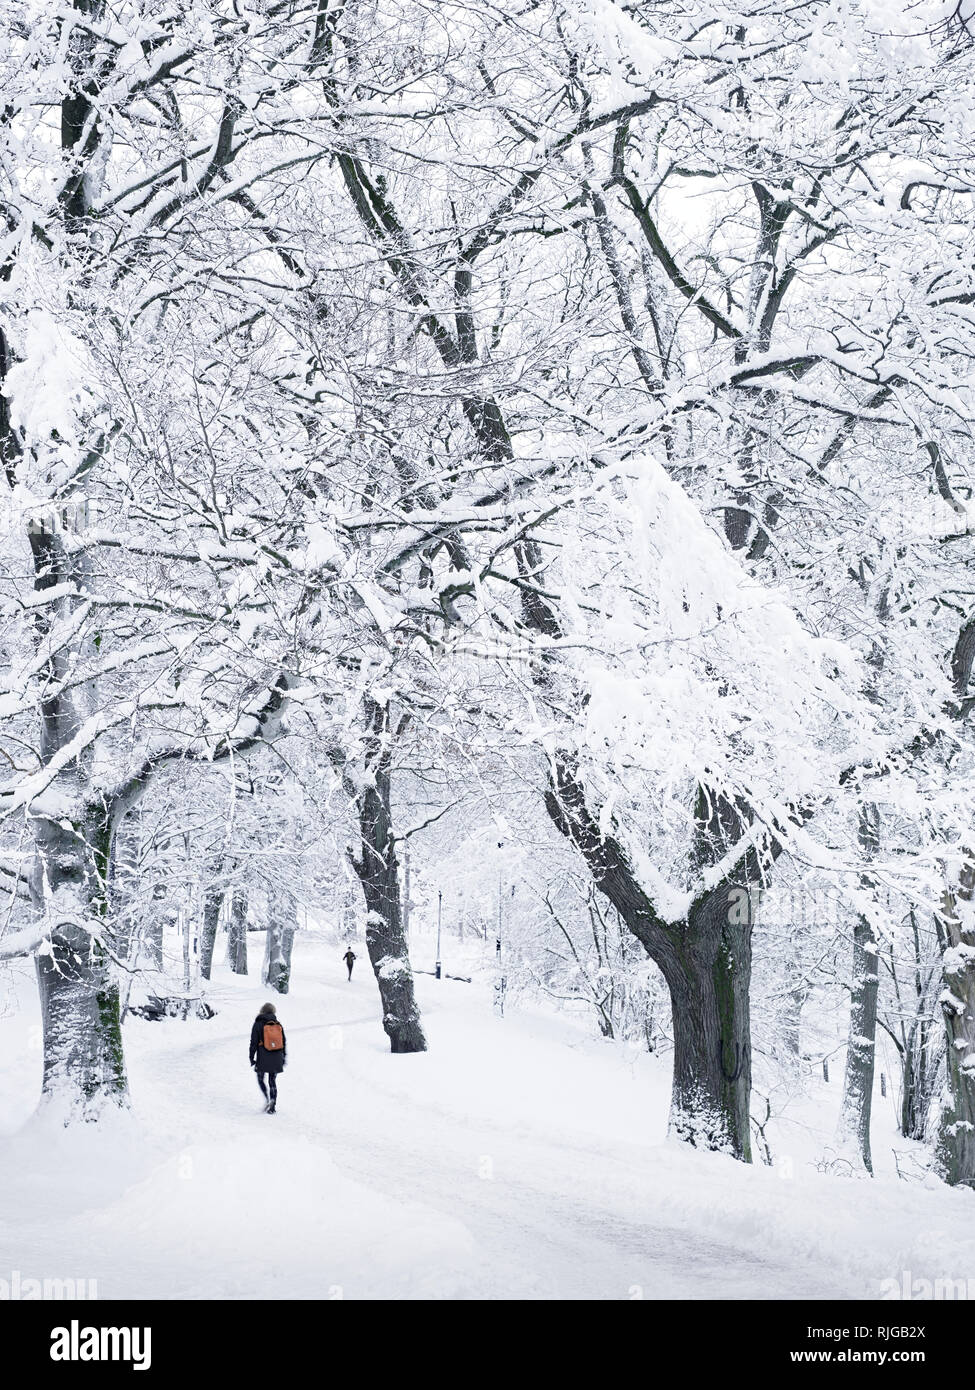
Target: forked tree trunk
(690, 956)
(956, 1134)
(724, 978)
(706, 962)
(378, 870)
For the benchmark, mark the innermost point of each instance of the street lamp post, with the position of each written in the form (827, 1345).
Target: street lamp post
(501, 982)
(439, 916)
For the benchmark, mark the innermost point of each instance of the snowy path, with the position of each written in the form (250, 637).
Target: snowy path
(550, 1227)
(515, 1159)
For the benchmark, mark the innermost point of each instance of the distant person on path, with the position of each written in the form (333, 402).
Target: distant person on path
(349, 959)
(268, 1054)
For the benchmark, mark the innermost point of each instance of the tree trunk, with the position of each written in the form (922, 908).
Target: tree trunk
(708, 975)
(69, 883)
(406, 895)
(922, 1042)
(378, 870)
(793, 1003)
(123, 875)
(792, 1022)
(919, 1081)
(279, 942)
(71, 873)
(956, 1136)
(237, 933)
(856, 1108)
(185, 924)
(153, 939)
(212, 903)
(857, 1105)
(706, 962)
(83, 1061)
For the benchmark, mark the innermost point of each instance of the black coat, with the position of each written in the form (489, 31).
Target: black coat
(266, 1061)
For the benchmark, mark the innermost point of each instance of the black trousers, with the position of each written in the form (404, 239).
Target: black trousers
(272, 1086)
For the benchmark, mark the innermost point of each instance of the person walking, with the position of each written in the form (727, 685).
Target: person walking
(349, 959)
(268, 1054)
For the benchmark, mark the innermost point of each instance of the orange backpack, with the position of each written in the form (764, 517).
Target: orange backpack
(273, 1037)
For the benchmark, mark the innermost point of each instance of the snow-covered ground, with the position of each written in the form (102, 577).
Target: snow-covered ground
(518, 1158)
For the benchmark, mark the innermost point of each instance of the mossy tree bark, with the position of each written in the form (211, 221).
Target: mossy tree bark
(84, 1068)
(708, 975)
